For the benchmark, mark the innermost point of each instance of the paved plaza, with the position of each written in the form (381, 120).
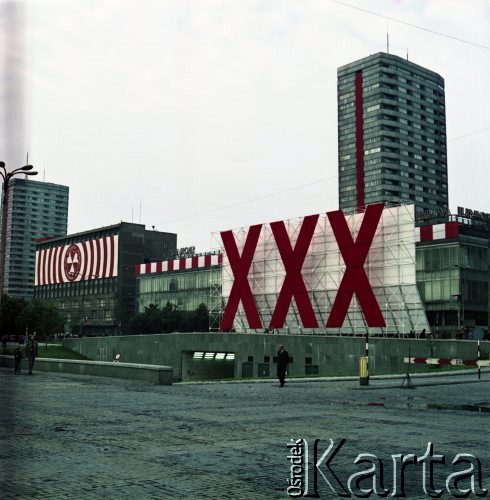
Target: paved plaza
(66, 436)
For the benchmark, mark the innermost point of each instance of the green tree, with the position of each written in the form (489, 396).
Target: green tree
(172, 319)
(18, 316)
(137, 324)
(169, 319)
(12, 316)
(43, 318)
(148, 322)
(201, 319)
(153, 321)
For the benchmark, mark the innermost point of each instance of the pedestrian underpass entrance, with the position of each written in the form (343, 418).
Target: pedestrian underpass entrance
(207, 365)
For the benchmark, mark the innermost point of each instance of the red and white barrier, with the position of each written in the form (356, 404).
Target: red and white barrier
(448, 361)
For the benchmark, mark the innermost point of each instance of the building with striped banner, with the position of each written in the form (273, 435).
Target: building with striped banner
(186, 283)
(453, 272)
(90, 277)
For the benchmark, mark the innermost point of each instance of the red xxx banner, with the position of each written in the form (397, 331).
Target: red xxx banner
(354, 281)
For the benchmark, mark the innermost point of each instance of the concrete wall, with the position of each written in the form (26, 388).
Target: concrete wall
(129, 371)
(327, 355)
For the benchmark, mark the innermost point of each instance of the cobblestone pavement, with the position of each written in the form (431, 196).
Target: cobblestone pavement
(67, 436)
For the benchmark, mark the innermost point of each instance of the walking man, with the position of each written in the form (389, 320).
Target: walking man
(282, 364)
(18, 359)
(31, 352)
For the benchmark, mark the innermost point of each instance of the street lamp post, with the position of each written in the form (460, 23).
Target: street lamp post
(6, 176)
(460, 298)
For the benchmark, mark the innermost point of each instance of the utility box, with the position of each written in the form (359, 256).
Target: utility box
(363, 371)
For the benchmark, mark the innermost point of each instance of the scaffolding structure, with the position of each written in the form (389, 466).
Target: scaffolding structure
(389, 266)
(217, 305)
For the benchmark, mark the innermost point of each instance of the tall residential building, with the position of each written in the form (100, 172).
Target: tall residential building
(35, 210)
(392, 134)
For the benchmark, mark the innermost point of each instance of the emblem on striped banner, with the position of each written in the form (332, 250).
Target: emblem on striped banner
(81, 261)
(72, 264)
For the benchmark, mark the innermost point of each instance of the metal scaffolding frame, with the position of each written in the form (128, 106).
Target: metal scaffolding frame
(389, 266)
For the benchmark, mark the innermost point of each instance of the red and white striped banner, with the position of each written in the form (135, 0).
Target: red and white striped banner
(437, 232)
(447, 361)
(77, 262)
(179, 264)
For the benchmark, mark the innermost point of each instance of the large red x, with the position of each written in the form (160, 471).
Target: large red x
(355, 279)
(293, 285)
(241, 287)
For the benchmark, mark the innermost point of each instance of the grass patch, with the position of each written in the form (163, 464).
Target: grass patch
(51, 351)
(58, 352)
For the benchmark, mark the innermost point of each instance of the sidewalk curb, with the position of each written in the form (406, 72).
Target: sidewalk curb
(350, 378)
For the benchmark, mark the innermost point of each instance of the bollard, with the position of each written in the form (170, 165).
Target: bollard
(363, 371)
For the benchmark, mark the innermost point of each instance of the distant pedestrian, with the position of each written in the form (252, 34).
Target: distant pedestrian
(4, 342)
(17, 359)
(31, 352)
(282, 364)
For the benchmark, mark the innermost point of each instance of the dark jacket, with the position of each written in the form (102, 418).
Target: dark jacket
(17, 353)
(31, 349)
(282, 358)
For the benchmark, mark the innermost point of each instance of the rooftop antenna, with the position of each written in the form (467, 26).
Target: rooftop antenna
(44, 174)
(387, 38)
(407, 54)
(132, 214)
(140, 212)
(27, 162)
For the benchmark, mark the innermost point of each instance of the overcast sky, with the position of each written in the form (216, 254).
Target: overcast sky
(219, 114)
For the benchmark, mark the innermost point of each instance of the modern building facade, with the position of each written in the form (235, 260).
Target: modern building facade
(185, 283)
(34, 210)
(258, 284)
(453, 274)
(391, 134)
(90, 275)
